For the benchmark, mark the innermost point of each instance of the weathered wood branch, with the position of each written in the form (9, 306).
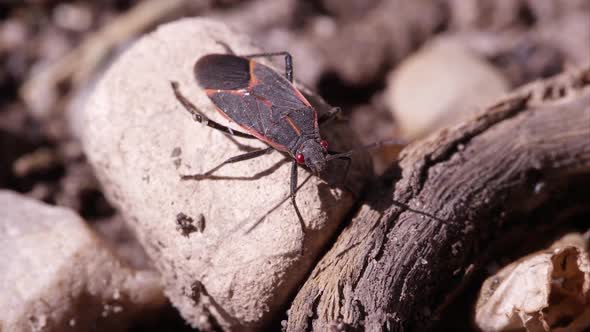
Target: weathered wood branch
(394, 269)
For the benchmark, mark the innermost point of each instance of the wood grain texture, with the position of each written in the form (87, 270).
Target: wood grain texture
(393, 269)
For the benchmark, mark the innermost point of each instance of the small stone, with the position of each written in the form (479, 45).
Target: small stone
(441, 84)
(185, 224)
(176, 152)
(50, 256)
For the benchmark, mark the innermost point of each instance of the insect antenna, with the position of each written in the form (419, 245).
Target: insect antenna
(384, 143)
(371, 146)
(376, 145)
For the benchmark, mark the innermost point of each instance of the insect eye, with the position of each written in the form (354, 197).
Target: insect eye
(300, 158)
(324, 144)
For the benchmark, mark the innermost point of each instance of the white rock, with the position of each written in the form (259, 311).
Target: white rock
(238, 271)
(441, 84)
(54, 271)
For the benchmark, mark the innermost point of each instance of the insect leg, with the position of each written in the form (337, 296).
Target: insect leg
(294, 192)
(339, 155)
(288, 61)
(332, 114)
(347, 169)
(343, 156)
(202, 118)
(346, 156)
(371, 146)
(225, 46)
(235, 159)
(240, 146)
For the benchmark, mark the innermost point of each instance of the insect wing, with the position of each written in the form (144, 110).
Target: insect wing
(257, 98)
(254, 115)
(268, 84)
(222, 72)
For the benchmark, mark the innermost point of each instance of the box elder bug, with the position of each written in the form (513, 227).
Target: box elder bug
(268, 107)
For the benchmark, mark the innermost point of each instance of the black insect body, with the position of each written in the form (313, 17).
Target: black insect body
(267, 106)
(264, 104)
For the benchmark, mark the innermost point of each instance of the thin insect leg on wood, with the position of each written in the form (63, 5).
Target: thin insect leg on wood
(202, 118)
(330, 115)
(294, 193)
(235, 159)
(422, 213)
(288, 61)
(346, 155)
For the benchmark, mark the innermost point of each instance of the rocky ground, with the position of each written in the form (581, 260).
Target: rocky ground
(93, 143)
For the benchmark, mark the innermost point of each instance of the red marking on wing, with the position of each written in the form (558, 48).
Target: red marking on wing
(253, 79)
(293, 125)
(264, 101)
(300, 96)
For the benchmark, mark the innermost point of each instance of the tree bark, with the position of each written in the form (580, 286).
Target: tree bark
(507, 171)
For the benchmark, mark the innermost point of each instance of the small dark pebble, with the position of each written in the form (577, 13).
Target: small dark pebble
(187, 225)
